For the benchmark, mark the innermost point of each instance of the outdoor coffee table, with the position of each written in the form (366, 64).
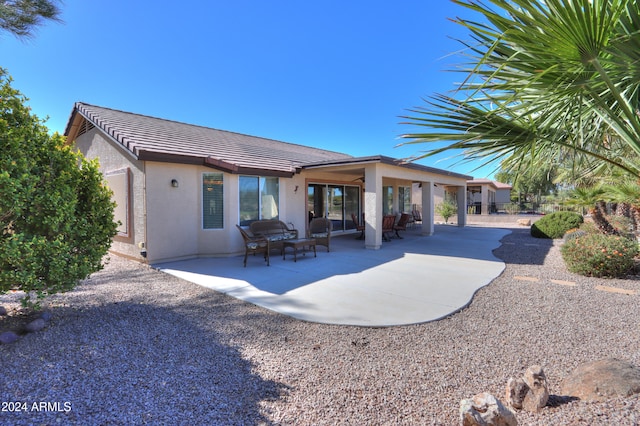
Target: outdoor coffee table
(296, 244)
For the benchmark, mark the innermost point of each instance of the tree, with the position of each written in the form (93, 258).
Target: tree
(593, 198)
(56, 214)
(531, 184)
(446, 209)
(547, 81)
(21, 16)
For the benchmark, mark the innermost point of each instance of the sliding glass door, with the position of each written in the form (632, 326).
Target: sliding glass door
(335, 202)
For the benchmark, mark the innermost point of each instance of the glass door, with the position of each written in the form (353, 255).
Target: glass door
(335, 211)
(335, 202)
(352, 206)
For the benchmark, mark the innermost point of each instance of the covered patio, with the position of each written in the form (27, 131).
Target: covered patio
(385, 183)
(413, 280)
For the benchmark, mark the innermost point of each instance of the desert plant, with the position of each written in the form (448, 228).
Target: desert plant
(555, 225)
(446, 209)
(600, 255)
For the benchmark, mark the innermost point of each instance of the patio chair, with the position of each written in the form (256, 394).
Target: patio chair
(359, 226)
(388, 222)
(320, 230)
(254, 244)
(417, 217)
(402, 224)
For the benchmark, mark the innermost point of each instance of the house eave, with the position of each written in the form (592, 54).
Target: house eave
(353, 161)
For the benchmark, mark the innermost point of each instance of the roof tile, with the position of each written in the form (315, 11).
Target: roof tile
(150, 137)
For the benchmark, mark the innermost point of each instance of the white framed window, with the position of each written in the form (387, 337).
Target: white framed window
(259, 198)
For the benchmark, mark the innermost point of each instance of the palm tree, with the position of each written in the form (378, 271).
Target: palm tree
(593, 199)
(626, 194)
(547, 82)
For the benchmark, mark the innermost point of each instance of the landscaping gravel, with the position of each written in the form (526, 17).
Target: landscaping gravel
(132, 345)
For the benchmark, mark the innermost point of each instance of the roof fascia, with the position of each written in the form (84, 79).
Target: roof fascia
(385, 160)
(71, 131)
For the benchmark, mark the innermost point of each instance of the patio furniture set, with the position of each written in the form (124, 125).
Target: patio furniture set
(391, 224)
(264, 236)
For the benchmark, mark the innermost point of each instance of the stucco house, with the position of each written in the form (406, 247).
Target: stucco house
(180, 189)
(486, 196)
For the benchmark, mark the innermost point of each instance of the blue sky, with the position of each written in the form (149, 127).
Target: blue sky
(332, 74)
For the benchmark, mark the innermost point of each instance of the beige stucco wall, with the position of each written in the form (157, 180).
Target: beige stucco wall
(112, 158)
(174, 215)
(167, 220)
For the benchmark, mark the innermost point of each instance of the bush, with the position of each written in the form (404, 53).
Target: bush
(56, 214)
(600, 255)
(446, 209)
(555, 225)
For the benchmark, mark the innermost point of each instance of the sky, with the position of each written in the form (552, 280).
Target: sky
(333, 74)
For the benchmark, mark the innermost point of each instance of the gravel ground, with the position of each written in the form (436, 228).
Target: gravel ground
(134, 346)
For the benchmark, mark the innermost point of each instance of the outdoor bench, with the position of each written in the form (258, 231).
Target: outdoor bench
(275, 231)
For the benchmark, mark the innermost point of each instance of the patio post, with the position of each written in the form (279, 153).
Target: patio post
(427, 208)
(372, 207)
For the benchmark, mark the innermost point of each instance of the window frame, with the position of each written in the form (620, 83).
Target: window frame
(202, 198)
(262, 185)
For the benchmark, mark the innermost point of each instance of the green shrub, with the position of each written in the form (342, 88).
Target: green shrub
(600, 255)
(56, 214)
(446, 209)
(555, 225)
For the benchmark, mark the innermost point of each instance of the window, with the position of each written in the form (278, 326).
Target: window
(387, 200)
(118, 182)
(259, 198)
(404, 198)
(212, 201)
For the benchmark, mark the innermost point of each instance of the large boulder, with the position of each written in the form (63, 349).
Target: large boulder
(604, 379)
(485, 409)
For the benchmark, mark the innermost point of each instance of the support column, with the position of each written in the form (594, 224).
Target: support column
(372, 207)
(461, 199)
(484, 200)
(427, 208)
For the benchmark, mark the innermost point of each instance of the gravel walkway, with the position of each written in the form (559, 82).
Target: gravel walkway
(134, 346)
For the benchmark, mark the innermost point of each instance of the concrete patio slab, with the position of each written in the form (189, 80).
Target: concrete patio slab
(413, 280)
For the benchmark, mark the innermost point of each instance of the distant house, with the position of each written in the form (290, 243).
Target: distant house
(180, 189)
(485, 196)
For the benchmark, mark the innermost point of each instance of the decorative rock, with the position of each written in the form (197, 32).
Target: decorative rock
(530, 393)
(36, 325)
(538, 393)
(3, 311)
(604, 379)
(524, 222)
(8, 337)
(485, 409)
(516, 392)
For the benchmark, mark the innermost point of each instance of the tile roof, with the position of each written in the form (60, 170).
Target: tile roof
(157, 139)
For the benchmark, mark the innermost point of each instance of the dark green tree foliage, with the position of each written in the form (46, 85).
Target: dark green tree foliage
(56, 214)
(555, 225)
(21, 16)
